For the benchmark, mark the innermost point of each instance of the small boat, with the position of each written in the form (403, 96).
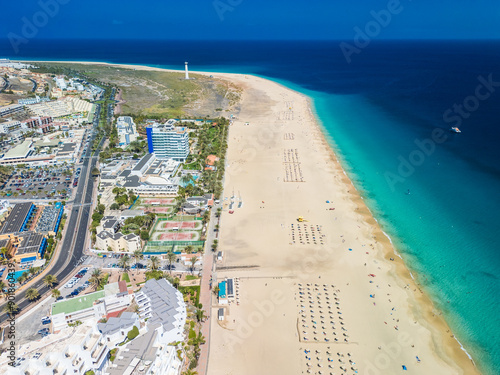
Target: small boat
(454, 129)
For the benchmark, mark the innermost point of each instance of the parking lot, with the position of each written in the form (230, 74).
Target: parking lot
(40, 183)
(28, 328)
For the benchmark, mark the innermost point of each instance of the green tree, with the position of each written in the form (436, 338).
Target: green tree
(101, 208)
(137, 255)
(21, 279)
(32, 294)
(215, 243)
(171, 257)
(56, 293)
(200, 314)
(154, 263)
(144, 235)
(193, 261)
(96, 278)
(11, 308)
(50, 280)
(186, 179)
(124, 262)
(205, 218)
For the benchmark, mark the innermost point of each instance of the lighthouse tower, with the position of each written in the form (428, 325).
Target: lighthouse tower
(187, 71)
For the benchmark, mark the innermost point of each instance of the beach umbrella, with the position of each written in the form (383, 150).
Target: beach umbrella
(404, 368)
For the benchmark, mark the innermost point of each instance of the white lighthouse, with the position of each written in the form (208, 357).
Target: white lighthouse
(187, 70)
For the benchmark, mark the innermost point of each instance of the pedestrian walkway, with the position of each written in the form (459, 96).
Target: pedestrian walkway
(206, 300)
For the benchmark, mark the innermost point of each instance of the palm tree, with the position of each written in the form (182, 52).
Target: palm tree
(154, 263)
(137, 255)
(171, 256)
(5, 253)
(96, 278)
(21, 279)
(216, 289)
(193, 261)
(56, 293)
(50, 280)
(215, 243)
(2, 286)
(124, 262)
(32, 294)
(200, 314)
(190, 372)
(188, 249)
(219, 211)
(11, 308)
(186, 179)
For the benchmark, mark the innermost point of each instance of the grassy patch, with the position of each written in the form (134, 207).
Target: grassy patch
(126, 277)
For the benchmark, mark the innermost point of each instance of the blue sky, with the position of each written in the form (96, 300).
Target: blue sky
(255, 19)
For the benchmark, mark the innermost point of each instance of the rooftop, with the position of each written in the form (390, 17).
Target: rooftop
(143, 162)
(16, 218)
(31, 242)
(115, 324)
(77, 303)
(20, 151)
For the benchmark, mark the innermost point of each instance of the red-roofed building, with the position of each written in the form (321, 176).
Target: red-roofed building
(210, 163)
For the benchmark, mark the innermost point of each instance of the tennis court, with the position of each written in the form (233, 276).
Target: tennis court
(178, 236)
(179, 225)
(158, 201)
(158, 210)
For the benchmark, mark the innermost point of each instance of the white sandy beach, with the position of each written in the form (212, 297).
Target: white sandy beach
(277, 327)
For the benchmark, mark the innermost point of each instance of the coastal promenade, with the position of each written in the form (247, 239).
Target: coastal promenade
(206, 292)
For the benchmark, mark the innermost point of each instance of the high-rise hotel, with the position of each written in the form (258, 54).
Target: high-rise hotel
(168, 141)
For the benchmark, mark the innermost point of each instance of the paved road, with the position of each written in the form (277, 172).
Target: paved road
(76, 232)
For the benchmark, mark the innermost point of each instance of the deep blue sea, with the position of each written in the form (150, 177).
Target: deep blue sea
(387, 114)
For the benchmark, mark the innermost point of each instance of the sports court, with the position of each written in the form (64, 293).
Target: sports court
(180, 225)
(158, 201)
(178, 236)
(158, 210)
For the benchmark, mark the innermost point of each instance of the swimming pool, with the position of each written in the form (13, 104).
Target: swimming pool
(195, 177)
(17, 274)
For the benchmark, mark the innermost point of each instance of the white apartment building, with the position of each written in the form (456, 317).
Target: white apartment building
(118, 242)
(163, 305)
(70, 351)
(9, 126)
(62, 107)
(127, 130)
